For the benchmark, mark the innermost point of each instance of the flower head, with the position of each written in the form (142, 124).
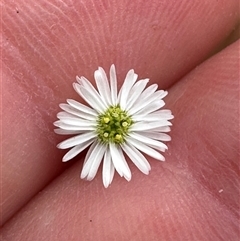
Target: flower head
(129, 121)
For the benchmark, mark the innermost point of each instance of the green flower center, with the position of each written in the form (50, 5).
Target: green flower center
(113, 125)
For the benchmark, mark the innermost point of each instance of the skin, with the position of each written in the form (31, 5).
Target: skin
(194, 195)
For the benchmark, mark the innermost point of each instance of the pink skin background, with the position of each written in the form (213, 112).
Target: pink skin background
(194, 195)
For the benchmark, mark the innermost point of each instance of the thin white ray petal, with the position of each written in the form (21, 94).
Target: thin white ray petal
(164, 115)
(76, 150)
(112, 171)
(87, 159)
(149, 141)
(148, 125)
(91, 164)
(83, 81)
(73, 111)
(149, 91)
(154, 116)
(137, 158)
(89, 152)
(64, 114)
(112, 146)
(162, 129)
(76, 140)
(92, 98)
(75, 121)
(113, 84)
(135, 92)
(86, 83)
(160, 94)
(102, 85)
(150, 118)
(129, 81)
(108, 169)
(78, 79)
(81, 107)
(119, 162)
(67, 132)
(155, 135)
(146, 149)
(155, 105)
(155, 96)
(76, 113)
(97, 158)
(145, 102)
(164, 94)
(69, 127)
(164, 112)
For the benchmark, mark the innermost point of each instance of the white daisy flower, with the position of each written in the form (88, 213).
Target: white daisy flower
(115, 123)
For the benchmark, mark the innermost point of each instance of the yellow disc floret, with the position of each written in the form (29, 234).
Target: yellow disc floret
(113, 125)
(106, 120)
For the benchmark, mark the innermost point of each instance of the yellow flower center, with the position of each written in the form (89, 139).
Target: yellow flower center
(113, 125)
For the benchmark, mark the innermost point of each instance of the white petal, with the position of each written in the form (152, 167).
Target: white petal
(103, 86)
(149, 141)
(146, 149)
(92, 163)
(76, 140)
(148, 92)
(155, 105)
(71, 110)
(113, 84)
(88, 86)
(148, 125)
(81, 107)
(167, 114)
(65, 114)
(145, 102)
(95, 165)
(150, 118)
(137, 158)
(135, 92)
(163, 94)
(162, 129)
(154, 116)
(89, 152)
(67, 132)
(155, 135)
(108, 169)
(76, 121)
(76, 150)
(85, 83)
(119, 162)
(62, 115)
(81, 80)
(91, 97)
(81, 128)
(129, 81)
